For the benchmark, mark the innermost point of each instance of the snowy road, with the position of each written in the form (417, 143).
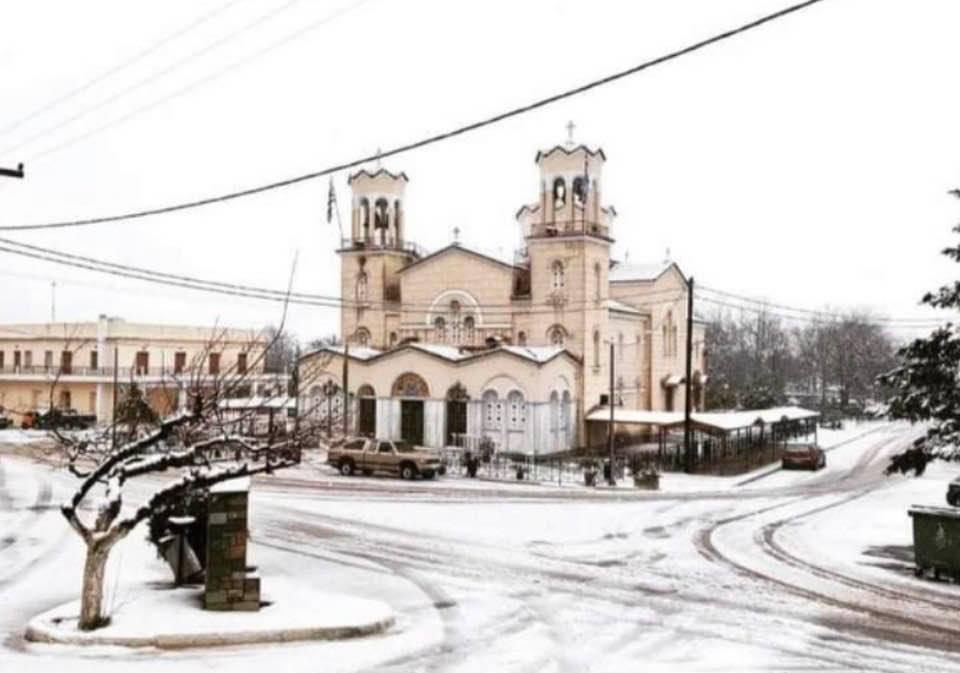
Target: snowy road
(795, 571)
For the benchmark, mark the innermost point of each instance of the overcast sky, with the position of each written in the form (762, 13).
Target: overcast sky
(806, 162)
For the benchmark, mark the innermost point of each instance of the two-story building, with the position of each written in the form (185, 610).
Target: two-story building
(79, 365)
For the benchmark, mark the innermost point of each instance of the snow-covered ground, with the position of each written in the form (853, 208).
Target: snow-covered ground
(785, 573)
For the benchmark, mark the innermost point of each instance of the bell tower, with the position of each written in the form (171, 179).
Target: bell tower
(371, 257)
(568, 235)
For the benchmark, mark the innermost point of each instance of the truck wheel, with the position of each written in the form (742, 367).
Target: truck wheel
(429, 474)
(408, 471)
(346, 468)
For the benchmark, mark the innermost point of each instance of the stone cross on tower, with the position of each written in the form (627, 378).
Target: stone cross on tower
(456, 235)
(570, 128)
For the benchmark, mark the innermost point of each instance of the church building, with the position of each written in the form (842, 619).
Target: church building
(449, 347)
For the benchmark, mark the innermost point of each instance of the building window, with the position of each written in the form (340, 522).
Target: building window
(364, 219)
(518, 410)
(559, 193)
(620, 391)
(214, 362)
(557, 336)
(470, 327)
(492, 411)
(565, 411)
(668, 334)
(597, 280)
(596, 348)
(94, 360)
(142, 363)
(558, 275)
(179, 362)
(620, 347)
(28, 359)
(579, 190)
(393, 339)
(65, 401)
(48, 360)
(521, 338)
(440, 329)
(362, 286)
(241, 363)
(66, 362)
(363, 337)
(638, 392)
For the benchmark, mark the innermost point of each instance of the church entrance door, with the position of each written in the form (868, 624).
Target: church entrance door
(411, 421)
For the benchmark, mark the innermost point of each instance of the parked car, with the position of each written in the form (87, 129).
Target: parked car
(803, 457)
(57, 419)
(953, 493)
(399, 458)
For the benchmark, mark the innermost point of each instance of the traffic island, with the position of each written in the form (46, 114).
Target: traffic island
(174, 618)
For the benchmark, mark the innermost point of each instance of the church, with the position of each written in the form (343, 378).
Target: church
(456, 346)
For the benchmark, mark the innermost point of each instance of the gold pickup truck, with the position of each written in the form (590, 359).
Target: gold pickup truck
(385, 455)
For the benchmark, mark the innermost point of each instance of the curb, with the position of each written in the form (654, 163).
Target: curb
(41, 631)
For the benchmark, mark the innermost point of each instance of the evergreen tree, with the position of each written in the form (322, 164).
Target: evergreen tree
(926, 385)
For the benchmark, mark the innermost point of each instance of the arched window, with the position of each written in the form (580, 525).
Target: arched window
(363, 337)
(470, 327)
(638, 392)
(364, 216)
(492, 411)
(565, 411)
(559, 193)
(557, 336)
(521, 338)
(579, 190)
(554, 411)
(396, 220)
(517, 411)
(667, 333)
(558, 274)
(362, 286)
(440, 329)
(381, 214)
(620, 391)
(393, 339)
(597, 276)
(596, 348)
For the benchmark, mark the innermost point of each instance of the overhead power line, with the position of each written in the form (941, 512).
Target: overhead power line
(433, 139)
(136, 58)
(812, 313)
(152, 77)
(253, 292)
(202, 81)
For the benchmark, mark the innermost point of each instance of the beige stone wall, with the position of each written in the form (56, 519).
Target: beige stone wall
(372, 313)
(457, 274)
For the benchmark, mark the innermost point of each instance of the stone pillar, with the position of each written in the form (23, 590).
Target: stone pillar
(231, 584)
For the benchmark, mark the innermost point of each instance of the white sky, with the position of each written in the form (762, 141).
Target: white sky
(806, 162)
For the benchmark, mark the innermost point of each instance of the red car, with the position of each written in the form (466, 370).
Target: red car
(804, 457)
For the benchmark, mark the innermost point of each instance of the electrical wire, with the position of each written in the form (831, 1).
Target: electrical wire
(136, 58)
(429, 140)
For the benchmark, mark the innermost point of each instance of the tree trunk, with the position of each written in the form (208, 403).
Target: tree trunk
(91, 599)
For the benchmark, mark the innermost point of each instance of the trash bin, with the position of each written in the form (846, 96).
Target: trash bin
(936, 541)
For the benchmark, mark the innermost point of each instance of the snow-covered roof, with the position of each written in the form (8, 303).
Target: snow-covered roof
(496, 258)
(536, 353)
(236, 485)
(722, 420)
(620, 307)
(258, 403)
(356, 352)
(446, 352)
(628, 272)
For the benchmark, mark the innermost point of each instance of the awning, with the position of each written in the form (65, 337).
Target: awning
(671, 380)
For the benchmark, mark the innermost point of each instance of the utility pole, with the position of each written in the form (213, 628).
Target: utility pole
(687, 444)
(12, 172)
(346, 387)
(116, 391)
(612, 480)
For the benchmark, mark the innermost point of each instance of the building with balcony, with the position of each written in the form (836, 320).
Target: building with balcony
(80, 365)
(458, 345)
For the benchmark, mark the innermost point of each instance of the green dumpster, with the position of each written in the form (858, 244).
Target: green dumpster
(936, 541)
